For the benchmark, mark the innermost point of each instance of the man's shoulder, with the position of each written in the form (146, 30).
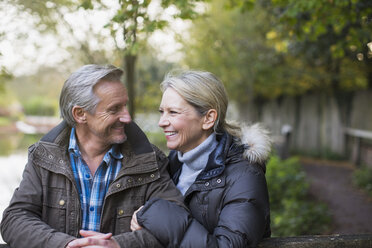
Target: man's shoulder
(53, 144)
(159, 153)
(45, 150)
(55, 132)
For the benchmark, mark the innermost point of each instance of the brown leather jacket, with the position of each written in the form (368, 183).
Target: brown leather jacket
(45, 210)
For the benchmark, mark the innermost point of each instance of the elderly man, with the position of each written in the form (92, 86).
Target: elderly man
(85, 178)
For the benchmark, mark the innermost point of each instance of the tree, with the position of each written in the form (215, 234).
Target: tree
(234, 45)
(152, 72)
(129, 25)
(4, 73)
(326, 33)
(133, 22)
(263, 47)
(332, 34)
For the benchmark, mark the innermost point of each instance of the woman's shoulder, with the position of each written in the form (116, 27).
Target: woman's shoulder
(244, 168)
(257, 143)
(251, 148)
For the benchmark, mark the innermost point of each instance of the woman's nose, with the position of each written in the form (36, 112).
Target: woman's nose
(163, 121)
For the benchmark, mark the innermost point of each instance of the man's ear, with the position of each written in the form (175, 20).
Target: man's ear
(79, 114)
(209, 119)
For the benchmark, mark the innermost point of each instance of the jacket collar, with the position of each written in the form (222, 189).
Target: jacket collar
(52, 150)
(253, 146)
(215, 165)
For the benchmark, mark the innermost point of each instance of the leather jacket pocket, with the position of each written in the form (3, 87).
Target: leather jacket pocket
(54, 209)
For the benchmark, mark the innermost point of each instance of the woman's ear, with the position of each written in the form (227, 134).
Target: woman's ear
(209, 119)
(79, 114)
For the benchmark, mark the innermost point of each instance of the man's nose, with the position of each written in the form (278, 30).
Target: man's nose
(125, 116)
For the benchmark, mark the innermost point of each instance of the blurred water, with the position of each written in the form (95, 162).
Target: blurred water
(11, 168)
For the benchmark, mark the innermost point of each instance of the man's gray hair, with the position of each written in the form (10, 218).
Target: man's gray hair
(78, 89)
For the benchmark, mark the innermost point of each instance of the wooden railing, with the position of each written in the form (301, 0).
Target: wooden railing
(318, 241)
(356, 144)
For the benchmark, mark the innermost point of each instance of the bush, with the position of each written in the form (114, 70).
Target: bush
(40, 106)
(158, 139)
(293, 213)
(5, 121)
(362, 178)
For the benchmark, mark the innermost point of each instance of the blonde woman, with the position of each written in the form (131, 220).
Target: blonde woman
(218, 167)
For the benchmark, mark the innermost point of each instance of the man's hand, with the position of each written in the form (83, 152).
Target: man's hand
(134, 226)
(93, 239)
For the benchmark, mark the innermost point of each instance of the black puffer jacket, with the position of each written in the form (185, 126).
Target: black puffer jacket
(228, 201)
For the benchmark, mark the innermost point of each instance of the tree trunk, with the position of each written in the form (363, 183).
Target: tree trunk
(130, 66)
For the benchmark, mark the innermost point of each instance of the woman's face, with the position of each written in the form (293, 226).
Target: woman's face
(182, 125)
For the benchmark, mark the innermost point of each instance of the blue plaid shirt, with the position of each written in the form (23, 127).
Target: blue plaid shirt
(92, 189)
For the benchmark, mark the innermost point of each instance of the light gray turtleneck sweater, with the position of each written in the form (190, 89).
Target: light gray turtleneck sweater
(194, 162)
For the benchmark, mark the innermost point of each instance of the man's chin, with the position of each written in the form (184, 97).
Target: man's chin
(119, 140)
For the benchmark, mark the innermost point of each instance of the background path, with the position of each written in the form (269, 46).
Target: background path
(330, 182)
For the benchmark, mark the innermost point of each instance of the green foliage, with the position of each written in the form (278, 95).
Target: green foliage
(26, 140)
(327, 34)
(10, 107)
(292, 210)
(46, 82)
(232, 45)
(151, 73)
(132, 23)
(320, 154)
(11, 143)
(40, 106)
(4, 77)
(8, 143)
(4, 121)
(277, 48)
(7, 97)
(242, 5)
(346, 22)
(158, 139)
(362, 178)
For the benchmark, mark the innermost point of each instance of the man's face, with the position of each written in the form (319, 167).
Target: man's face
(107, 123)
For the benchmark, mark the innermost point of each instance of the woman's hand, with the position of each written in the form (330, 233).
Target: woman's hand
(134, 226)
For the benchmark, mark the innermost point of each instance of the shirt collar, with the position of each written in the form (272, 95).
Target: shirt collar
(113, 152)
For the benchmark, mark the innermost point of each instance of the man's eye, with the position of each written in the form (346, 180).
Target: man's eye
(114, 110)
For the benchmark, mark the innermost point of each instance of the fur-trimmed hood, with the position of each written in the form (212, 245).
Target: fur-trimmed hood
(253, 145)
(257, 143)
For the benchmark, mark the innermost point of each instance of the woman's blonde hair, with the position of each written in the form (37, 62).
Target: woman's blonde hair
(203, 91)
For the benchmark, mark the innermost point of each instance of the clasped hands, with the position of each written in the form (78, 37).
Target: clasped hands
(91, 239)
